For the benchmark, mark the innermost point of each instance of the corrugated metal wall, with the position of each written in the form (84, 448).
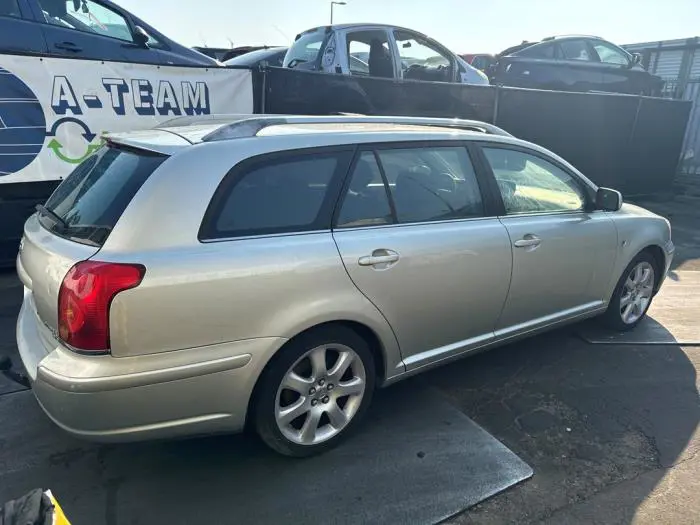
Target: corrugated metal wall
(667, 64)
(690, 161)
(695, 66)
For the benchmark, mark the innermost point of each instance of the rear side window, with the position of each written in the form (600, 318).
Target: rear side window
(538, 51)
(90, 200)
(292, 193)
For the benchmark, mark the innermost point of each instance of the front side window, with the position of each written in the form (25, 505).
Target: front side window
(306, 48)
(530, 184)
(575, 50)
(368, 54)
(431, 183)
(422, 60)
(610, 54)
(277, 196)
(88, 16)
(543, 51)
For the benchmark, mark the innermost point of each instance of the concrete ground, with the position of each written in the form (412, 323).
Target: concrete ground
(610, 430)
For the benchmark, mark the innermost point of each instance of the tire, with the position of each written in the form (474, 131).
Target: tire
(314, 415)
(615, 317)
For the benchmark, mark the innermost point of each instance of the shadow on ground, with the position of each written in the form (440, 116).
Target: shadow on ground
(585, 417)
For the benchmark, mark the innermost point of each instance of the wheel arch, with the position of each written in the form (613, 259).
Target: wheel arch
(659, 257)
(370, 336)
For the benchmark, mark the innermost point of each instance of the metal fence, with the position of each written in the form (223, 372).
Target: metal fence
(630, 143)
(688, 90)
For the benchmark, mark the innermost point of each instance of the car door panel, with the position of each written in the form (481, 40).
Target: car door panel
(445, 289)
(95, 31)
(579, 74)
(71, 43)
(19, 32)
(563, 251)
(441, 284)
(566, 272)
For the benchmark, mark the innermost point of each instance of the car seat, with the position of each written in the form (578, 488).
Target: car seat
(418, 198)
(379, 61)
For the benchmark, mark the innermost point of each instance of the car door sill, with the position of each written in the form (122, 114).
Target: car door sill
(438, 356)
(548, 320)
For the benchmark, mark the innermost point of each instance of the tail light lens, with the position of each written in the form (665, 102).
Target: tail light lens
(84, 299)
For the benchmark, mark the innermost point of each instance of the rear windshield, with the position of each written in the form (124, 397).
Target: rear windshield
(305, 49)
(88, 203)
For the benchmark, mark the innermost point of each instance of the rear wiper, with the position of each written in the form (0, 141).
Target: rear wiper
(46, 211)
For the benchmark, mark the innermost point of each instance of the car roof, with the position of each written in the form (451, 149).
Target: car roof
(556, 38)
(335, 27)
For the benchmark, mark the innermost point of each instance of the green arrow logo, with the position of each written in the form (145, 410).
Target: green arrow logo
(56, 146)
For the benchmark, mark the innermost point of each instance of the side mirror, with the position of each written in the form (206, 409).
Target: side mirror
(608, 200)
(141, 38)
(637, 58)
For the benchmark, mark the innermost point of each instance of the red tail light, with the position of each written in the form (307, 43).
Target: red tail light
(84, 299)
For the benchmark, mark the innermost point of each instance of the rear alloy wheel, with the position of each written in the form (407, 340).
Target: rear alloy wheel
(633, 294)
(315, 392)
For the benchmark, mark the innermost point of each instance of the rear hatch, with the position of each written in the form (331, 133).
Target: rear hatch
(74, 224)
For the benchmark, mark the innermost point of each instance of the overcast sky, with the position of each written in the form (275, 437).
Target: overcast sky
(462, 25)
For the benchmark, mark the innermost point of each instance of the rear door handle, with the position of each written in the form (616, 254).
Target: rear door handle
(378, 257)
(68, 46)
(528, 241)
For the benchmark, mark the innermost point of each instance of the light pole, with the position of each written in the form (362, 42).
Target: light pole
(335, 3)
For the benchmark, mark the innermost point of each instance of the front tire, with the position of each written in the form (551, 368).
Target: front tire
(633, 294)
(315, 392)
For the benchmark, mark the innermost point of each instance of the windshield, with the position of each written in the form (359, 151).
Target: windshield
(306, 48)
(88, 203)
(274, 56)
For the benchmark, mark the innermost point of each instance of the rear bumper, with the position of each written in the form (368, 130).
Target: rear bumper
(104, 398)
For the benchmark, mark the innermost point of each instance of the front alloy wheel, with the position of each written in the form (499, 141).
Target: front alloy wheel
(637, 293)
(633, 294)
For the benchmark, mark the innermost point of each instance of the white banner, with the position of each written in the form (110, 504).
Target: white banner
(53, 111)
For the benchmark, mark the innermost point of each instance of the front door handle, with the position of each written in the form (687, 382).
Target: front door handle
(379, 258)
(68, 46)
(528, 241)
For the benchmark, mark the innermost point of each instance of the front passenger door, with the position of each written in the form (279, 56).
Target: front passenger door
(563, 253)
(93, 31)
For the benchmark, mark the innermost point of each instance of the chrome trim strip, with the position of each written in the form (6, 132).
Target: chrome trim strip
(547, 319)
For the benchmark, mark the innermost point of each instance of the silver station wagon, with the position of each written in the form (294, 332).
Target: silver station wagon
(272, 271)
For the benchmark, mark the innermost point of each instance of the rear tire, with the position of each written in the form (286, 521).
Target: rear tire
(633, 294)
(315, 392)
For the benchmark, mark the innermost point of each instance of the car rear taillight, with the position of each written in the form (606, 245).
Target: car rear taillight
(84, 299)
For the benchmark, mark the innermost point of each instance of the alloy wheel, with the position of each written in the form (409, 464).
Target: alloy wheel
(637, 292)
(320, 393)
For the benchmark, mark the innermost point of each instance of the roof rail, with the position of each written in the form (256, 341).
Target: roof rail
(239, 126)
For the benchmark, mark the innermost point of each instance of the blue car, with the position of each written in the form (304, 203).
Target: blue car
(92, 29)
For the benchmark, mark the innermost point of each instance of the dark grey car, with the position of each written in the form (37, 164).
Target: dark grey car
(574, 63)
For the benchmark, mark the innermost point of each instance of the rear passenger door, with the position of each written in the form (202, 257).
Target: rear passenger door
(19, 32)
(417, 238)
